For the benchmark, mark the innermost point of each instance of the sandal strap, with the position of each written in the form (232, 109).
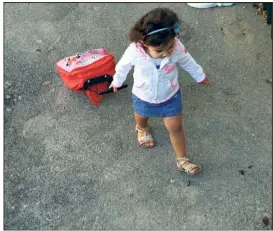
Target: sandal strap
(145, 138)
(183, 160)
(142, 129)
(188, 167)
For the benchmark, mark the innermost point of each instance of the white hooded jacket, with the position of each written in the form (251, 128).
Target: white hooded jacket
(151, 84)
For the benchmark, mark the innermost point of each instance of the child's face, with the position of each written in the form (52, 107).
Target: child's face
(161, 51)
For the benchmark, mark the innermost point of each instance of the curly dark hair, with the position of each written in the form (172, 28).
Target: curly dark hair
(156, 19)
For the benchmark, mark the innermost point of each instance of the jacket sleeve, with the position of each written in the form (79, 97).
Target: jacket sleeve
(124, 66)
(187, 62)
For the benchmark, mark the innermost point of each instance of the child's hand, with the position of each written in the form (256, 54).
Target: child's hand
(205, 82)
(114, 88)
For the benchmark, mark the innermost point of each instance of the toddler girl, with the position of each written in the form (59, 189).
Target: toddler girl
(155, 51)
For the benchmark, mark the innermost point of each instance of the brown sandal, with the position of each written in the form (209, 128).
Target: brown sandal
(145, 138)
(185, 165)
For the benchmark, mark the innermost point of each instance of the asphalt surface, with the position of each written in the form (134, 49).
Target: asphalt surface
(71, 165)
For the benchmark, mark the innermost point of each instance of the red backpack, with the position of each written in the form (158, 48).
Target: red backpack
(89, 72)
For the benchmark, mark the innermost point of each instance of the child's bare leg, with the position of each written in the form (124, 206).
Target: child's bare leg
(177, 137)
(142, 122)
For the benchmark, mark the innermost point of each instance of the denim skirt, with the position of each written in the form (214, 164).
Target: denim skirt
(171, 107)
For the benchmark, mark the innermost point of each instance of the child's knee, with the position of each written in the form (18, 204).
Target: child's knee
(175, 128)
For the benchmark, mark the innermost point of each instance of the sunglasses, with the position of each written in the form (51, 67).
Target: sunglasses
(176, 27)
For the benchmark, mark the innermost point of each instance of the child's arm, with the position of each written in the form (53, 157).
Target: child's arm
(123, 67)
(187, 62)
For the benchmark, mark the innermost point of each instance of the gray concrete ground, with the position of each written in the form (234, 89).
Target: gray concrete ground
(70, 165)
